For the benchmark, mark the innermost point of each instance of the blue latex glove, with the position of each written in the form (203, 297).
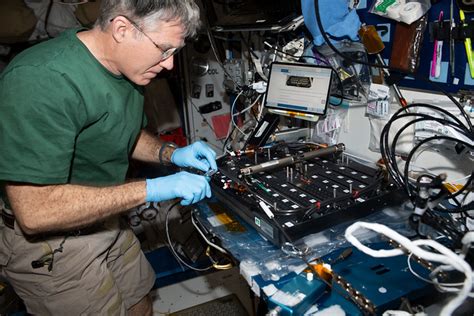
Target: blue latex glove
(336, 18)
(197, 155)
(192, 188)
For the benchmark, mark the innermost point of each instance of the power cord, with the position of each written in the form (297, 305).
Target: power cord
(346, 57)
(170, 243)
(388, 150)
(427, 249)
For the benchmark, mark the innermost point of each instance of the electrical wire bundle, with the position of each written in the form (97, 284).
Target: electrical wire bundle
(252, 98)
(214, 262)
(424, 249)
(427, 191)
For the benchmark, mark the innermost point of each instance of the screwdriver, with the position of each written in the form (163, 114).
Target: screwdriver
(374, 45)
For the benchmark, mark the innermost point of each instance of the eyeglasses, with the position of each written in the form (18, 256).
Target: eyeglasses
(165, 54)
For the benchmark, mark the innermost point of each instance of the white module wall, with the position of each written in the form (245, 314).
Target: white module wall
(356, 135)
(204, 87)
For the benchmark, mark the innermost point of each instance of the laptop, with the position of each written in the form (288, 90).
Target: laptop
(253, 15)
(298, 90)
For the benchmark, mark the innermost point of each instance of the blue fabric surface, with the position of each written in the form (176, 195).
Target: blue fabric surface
(336, 18)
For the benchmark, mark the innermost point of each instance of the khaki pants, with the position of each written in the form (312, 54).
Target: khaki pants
(99, 272)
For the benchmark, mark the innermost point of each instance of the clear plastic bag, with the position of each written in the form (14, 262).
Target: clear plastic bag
(355, 77)
(259, 257)
(405, 11)
(328, 129)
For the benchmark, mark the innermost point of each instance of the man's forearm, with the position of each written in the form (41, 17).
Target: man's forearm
(148, 149)
(64, 207)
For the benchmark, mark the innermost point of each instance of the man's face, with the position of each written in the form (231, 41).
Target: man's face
(141, 58)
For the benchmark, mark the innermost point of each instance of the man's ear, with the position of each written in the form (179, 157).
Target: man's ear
(120, 26)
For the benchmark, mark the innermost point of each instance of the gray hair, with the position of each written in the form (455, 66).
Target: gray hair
(148, 12)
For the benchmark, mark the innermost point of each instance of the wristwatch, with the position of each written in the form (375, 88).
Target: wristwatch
(160, 153)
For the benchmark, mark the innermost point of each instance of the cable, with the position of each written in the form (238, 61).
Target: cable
(230, 131)
(460, 179)
(249, 107)
(331, 45)
(444, 256)
(299, 253)
(170, 244)
(232, 111)
(388, 151)
(444, 287)
(246, 42)
(215, 263)
(298, 57)
(204, 236)
(346, 57)
(214, 50)
(422, 143)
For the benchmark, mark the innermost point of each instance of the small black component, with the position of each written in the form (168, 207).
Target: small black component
(264, 129)
(210, 90)
(210, 107)
(442, 31)
(36, 264)
(439, 30)
(196, 94)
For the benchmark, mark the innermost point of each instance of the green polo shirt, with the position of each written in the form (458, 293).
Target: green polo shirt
(64, 118)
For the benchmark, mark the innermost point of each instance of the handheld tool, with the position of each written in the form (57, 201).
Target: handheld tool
(374, 45)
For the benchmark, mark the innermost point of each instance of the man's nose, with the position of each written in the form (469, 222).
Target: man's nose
(167, 63)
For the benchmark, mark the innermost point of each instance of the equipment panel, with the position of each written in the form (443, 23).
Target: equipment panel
(300, 196)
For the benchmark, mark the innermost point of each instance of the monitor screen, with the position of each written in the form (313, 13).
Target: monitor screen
(302, 88)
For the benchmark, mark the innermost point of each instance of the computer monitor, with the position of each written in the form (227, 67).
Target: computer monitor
(299, 90)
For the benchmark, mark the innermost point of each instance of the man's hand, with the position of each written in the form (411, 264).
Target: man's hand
(190, 187)
(197, 155)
